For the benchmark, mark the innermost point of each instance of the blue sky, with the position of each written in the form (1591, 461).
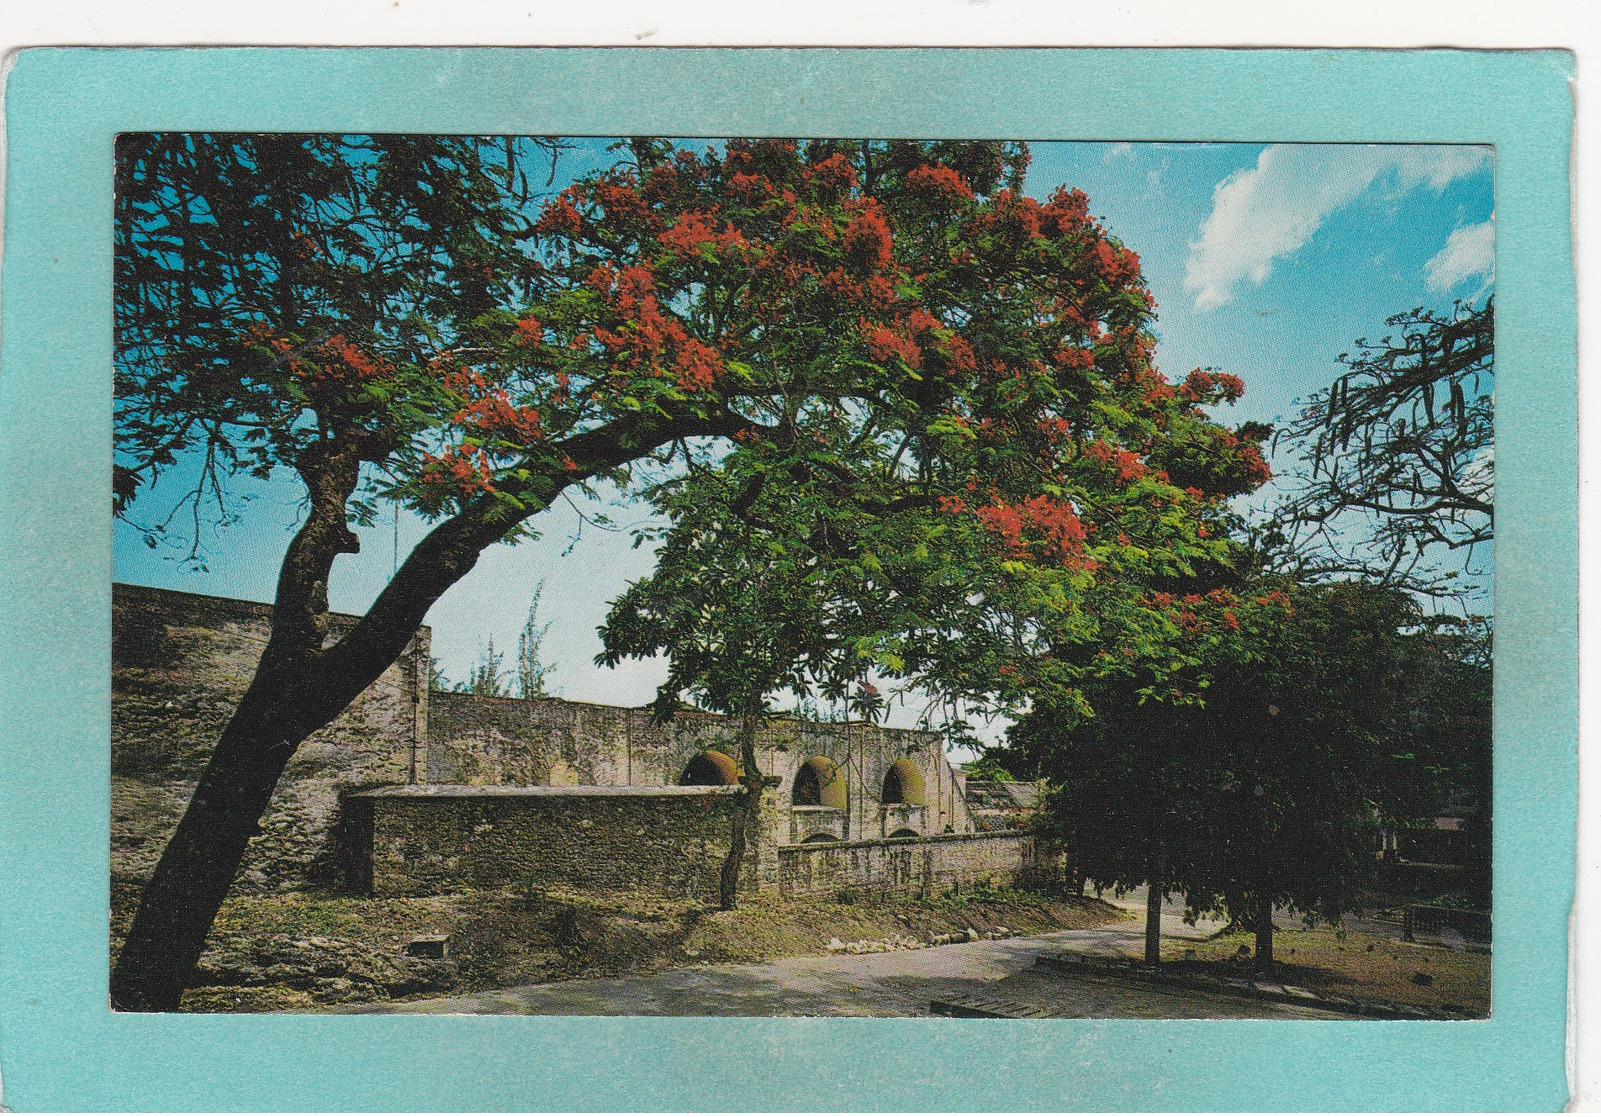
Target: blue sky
(1266, 261)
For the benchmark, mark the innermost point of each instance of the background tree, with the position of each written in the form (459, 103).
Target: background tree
(1261, 781)
(392, 318)
(1396, 461)
(488, 678)
(742, 606)
(532, 669)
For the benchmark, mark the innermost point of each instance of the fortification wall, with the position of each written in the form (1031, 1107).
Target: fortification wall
(667, 841)
(180, 663)
(426, 839)
(553, 742)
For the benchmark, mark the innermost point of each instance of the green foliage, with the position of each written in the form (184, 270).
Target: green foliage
(987, 767)
(532, 669)
(1327, 709)
(489, 678)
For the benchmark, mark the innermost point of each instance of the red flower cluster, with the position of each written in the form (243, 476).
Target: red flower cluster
(1075, 357)
(1200, 385)
(461, 470)
(1119, 266)
(1066, 212)
(649, 341)
(834, 173)
(621, 199)
(1125, 464)
(494, 414)
(884, 343)
(938, 183)
(530, 331)
(1045, 525)
(867, 242)
(333, 361)
(560, 218)
(1011, 218)
(693, 232)
(1257, 471)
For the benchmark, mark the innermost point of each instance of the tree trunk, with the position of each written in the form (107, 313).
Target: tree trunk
(300, 686)
(196, 870)
(748, 814)
(1264, 929)
(1153, 913)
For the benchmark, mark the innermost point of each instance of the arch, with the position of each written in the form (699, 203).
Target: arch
(906, 832)
(813, 839)
(903, 783)
(709, 769)
(819, 783)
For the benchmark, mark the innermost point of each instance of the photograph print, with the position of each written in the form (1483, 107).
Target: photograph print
(802, 577)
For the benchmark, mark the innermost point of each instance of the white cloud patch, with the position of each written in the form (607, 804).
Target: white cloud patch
(1264, 213)
(1469, 253)
(1124, 150)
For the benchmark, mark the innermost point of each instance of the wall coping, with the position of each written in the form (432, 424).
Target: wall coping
(493, 791)
(922, 839)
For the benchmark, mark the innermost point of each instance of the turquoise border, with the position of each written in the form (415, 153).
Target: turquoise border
(59, 1046)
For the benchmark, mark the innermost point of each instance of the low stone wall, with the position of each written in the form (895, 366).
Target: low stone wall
(912, 865)
(430, 838)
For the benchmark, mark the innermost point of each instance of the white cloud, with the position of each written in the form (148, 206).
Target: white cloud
(1265, 213)
(1469, 253)
(1118, 150)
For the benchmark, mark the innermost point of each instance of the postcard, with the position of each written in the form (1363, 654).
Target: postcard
(553, 535)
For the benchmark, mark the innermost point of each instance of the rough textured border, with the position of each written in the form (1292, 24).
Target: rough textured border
(59, 1046)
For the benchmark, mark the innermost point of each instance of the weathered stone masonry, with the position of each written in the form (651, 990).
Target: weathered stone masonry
(440, 838)
(180, 663)
(418, 791)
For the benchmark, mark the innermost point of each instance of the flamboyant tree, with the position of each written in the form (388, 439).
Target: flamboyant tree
(382, 317)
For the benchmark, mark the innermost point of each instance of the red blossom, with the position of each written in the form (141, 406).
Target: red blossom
(938, 183)
(1257, 471)
(834, 173)
(560, 218)
(529, 330)
(884, 343)
(867, 242)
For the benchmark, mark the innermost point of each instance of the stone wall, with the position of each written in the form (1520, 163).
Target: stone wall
(426, 839)
(669, 841)
(924, 866)
(554, 742)
(180, 663)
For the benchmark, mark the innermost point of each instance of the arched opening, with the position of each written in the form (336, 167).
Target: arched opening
(709, 769)
(905, 832)
(903, 783)
(813, 839)
(819, 783)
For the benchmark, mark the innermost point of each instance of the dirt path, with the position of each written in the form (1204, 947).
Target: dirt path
(898, 983)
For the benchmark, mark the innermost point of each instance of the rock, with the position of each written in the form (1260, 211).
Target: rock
(835, 944)
(1421, 978)
(427, 946)
(972, 935)
(1001, 932)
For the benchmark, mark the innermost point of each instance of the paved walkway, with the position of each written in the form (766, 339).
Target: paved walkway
(898, 983)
